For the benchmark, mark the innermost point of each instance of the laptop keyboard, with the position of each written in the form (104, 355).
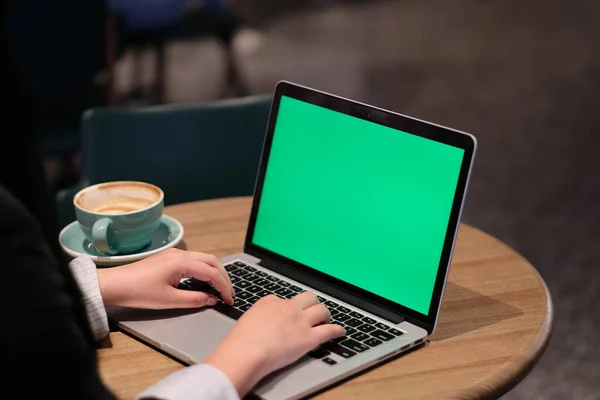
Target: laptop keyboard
(251, 284)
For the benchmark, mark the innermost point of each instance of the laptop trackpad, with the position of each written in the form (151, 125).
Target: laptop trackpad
(189, 335)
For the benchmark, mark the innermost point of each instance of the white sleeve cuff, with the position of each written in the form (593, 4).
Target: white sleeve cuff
(86, 275)
(197, 382)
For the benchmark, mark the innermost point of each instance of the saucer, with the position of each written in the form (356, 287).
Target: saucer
(75, 244)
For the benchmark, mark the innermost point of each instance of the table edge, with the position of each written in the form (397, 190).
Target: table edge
(522, 363)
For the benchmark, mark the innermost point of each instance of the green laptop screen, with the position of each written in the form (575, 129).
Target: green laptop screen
(359, 201)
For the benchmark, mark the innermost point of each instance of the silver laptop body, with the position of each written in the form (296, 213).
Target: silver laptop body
(380, 329)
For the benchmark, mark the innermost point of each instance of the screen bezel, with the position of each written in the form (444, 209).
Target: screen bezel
(392, 120)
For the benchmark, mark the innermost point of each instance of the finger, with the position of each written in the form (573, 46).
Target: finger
(205, 273)
(317, 314)
(190, 299)
(305, 300)
(213, 262)
(326, 332)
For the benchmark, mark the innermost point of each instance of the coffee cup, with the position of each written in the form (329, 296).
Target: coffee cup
(119, 217)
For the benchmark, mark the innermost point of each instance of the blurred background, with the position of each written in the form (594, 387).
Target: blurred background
(523, 76)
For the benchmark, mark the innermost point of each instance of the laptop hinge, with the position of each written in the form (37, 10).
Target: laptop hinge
(332, 290)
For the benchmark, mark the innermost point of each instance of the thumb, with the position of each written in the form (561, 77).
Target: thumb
(190, 299)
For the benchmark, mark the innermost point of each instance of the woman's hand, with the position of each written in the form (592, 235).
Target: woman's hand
(272, 334)
(152, 282)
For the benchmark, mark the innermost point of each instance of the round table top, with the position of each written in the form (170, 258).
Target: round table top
(495, 321)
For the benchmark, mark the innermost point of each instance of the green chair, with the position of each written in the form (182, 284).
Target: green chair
(192, 151)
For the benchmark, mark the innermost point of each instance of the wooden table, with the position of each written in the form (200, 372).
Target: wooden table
(495, 321)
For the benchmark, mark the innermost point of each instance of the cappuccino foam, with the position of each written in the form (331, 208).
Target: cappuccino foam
(122, 206)
(118, 197)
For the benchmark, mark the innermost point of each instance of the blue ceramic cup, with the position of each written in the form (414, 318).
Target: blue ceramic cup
(119, 217)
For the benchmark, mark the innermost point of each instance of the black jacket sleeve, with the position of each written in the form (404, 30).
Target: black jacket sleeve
(46, 353)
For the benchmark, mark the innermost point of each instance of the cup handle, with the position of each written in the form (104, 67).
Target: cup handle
(102, 234)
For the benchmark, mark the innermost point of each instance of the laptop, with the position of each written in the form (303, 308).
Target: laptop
(355, 203)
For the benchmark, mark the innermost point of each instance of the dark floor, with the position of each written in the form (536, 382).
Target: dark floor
(523, 76)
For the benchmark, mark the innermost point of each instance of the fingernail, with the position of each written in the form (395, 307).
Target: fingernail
(211, 301)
